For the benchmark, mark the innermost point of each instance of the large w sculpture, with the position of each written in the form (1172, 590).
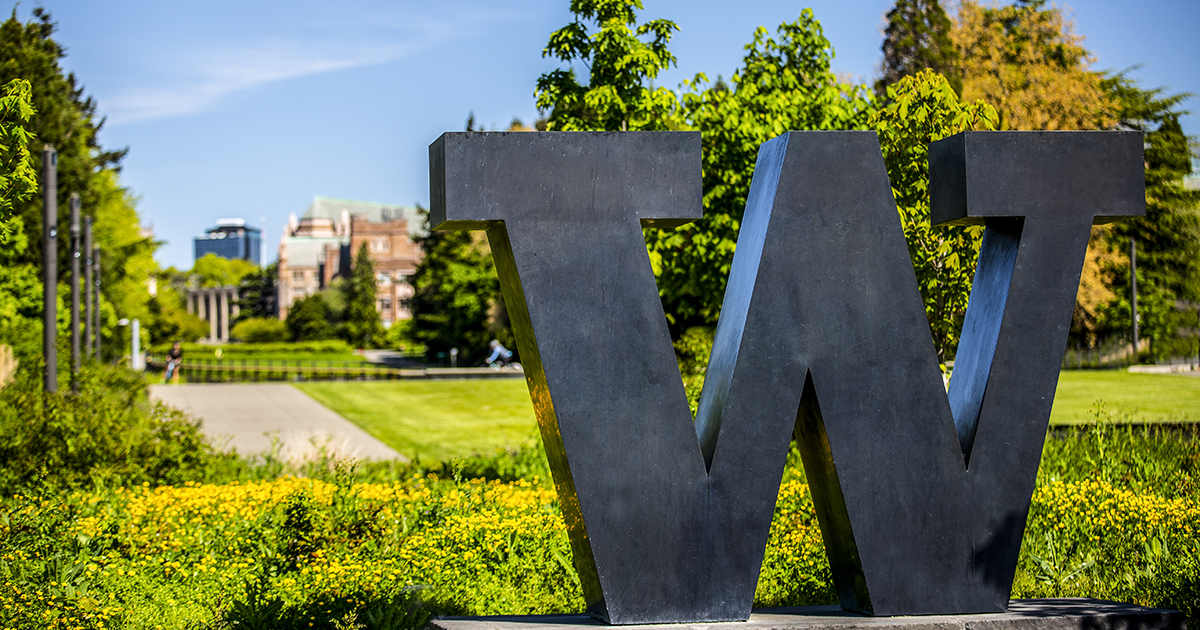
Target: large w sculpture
(921, 496)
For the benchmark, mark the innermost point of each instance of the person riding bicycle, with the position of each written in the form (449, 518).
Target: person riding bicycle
(500, 355)
(174, 358)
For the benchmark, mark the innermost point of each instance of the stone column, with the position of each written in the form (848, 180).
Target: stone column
(211, 309)
(223, 313)
(237, 309)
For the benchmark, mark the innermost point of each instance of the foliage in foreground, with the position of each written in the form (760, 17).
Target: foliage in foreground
(1114, 516)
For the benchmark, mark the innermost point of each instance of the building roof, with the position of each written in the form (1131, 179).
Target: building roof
(303, 251)
(332, 208)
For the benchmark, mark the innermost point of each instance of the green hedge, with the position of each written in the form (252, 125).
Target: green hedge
(324, 347)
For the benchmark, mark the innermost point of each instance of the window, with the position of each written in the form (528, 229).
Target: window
(380, 245)
(385, 305)
(406, 304)
(383, 278)
(297, 276)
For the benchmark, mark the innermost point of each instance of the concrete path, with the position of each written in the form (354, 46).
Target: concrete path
(245, 416)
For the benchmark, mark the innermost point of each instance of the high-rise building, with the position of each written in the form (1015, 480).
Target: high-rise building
(231, 239)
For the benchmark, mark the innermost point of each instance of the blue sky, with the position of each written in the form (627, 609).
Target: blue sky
(249, 109)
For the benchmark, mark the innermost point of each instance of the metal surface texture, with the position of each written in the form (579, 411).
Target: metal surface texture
(823, 335)
(50, 268)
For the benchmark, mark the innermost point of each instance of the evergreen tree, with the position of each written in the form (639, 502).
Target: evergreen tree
(361, 326)
(1168, 237)
(66, 119)
(258, 294)
(917, 37)
(457, 302)
(308, 319)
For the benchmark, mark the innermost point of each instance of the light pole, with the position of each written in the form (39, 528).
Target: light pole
(1133, 293)
(136, 361)
(50, 266)
(75, 292)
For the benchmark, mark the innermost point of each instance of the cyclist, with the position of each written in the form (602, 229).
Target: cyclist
(500, 355)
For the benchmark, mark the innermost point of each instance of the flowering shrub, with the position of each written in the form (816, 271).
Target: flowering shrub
(332, 553)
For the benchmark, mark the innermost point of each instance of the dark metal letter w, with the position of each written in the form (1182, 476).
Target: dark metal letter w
(921, 497)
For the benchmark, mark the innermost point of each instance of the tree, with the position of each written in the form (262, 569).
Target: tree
(1027, 62)
(211, 270)
(66, 119)
(785, 84)
(619, 95)
(308, 319)
(361, 326)
(457, 296)
(917, 37)
(18, 179)
(168, 321)
(258, 294)
(923, 108)
(1168, 237)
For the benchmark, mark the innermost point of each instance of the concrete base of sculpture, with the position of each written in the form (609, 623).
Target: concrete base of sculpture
(1023, 614)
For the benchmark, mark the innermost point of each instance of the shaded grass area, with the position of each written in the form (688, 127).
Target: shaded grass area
(435, 420)
(1085, 396)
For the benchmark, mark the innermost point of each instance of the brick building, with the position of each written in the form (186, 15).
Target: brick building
(319, 246)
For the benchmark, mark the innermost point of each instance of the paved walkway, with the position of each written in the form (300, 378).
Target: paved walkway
(245, 416)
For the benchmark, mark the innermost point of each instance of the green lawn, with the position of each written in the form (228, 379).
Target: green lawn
(435, 419)
(1125, 396)
(439, 419)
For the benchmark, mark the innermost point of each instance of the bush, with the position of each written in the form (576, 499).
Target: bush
(310, 319)
(260, 330)
(325, 347)
(110, 433)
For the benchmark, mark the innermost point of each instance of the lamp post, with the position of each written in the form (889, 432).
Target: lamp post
(50, 266)
(136, 361)
(89, 329)
(75, 292)
(1133, 293)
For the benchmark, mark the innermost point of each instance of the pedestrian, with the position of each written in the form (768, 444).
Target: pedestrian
(174, 358)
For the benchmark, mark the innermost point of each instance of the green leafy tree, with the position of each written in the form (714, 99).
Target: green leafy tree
(169, 321)
(456, 297)
(785, 83)
(361, 325)
(623, 58)
(211, 270)
(18, 179)
(309, 319)
(923, 108)
(917, 37)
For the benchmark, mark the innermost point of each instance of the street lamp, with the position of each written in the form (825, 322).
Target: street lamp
(136, 360)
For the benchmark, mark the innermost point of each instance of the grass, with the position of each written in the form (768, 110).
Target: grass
(435, 420)
(1138, 398)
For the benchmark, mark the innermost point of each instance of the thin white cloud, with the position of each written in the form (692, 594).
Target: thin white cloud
(206, 79)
